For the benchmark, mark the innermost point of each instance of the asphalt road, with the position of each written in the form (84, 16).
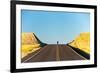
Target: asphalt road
(53, 53)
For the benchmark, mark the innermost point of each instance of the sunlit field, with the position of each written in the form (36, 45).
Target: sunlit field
(82, 42)
(26, 49)
(29, 44)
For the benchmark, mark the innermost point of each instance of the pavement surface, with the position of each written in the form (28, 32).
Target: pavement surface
(53, 52)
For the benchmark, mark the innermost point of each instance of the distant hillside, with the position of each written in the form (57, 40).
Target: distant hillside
(82, 42)
(30, 43)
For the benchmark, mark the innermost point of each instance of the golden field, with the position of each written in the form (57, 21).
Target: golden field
(29, 44)
(29, 38)
(26, 49)
(82, 42)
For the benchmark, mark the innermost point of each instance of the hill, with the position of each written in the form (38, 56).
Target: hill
(82, 42)
(30, 43)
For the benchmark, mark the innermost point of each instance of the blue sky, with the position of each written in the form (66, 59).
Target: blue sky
(50, 26)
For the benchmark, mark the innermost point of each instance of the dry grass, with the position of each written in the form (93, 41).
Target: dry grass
(29, 43)
(26, 49)
(82, 42)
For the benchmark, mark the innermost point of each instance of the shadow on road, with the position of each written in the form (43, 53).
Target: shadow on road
(84, 54)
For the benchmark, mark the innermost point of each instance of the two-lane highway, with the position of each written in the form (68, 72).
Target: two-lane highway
(54, 53)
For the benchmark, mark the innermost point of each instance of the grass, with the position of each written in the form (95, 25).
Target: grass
(26, 49)
(82, 42)
(30, 43)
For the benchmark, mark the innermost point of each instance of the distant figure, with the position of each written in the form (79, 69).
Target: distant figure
(57, 42)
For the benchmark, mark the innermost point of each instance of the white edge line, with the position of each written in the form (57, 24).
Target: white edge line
(77, 53)
(33, 55)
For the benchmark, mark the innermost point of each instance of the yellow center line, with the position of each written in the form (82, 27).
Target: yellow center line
(57, 54)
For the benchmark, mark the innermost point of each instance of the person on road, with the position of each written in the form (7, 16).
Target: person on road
(57, 42)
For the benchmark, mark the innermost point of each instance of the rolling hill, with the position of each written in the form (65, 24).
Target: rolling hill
(30, 43)
(82, 42)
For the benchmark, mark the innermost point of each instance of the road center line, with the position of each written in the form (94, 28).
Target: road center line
(57, 54)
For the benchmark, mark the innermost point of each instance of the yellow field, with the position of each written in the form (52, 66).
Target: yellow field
(26, 49)
(29, 43)
(29, 38)
(82, 42)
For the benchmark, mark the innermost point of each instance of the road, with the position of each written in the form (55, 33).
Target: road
(53, 53)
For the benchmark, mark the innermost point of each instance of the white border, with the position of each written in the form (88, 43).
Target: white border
(20, 65)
